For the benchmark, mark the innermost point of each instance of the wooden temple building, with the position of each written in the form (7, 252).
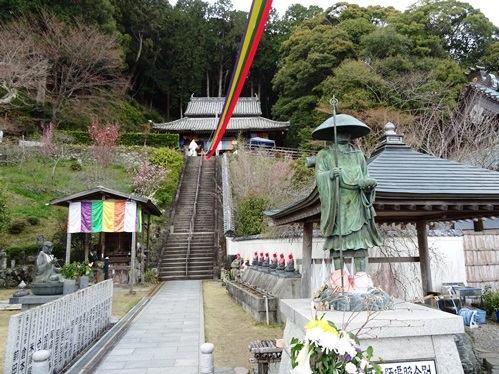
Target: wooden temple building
(412, 188)
(200, 121)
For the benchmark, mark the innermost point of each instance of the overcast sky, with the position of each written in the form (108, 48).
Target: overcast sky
(488, 7)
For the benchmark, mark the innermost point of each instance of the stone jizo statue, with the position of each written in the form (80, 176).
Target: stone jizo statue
(349, 226)
(273, 262)
(281, 263)
(255, 259)
(235, 266)
(290, 264)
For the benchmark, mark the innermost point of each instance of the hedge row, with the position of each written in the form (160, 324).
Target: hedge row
(130, 139)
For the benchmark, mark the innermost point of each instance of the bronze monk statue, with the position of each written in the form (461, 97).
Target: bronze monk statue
(341, 165)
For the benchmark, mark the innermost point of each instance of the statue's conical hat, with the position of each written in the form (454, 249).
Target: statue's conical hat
(344, 123)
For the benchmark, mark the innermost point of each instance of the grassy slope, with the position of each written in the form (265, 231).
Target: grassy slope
(29, 187)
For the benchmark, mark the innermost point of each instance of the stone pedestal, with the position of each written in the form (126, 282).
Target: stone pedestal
(410, 332)
(259, 293)
(69, 286)
(32, 301)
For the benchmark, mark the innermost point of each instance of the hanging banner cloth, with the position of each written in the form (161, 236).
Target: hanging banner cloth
(255, 24)
(105, 216)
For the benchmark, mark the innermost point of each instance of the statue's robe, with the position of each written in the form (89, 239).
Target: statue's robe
(357, 227)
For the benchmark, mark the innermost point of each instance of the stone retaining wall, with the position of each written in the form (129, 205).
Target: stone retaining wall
(10, 278)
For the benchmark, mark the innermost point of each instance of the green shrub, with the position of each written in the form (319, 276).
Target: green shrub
(171, 160)
(249, 218)
(17, 226)
(490, 300)
(19, 254)
(130, 139)
(75, 166)
(150, 276)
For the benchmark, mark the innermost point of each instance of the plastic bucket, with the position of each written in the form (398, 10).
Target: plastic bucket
(480, 316)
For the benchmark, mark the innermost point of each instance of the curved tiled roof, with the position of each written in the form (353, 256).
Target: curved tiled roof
(400, 170)
(100, 193)
(210, 124)
(203, 113)
(212, 106)
(413, 186)
(485, 91)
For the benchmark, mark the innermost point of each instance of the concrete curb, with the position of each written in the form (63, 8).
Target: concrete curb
(89, 361)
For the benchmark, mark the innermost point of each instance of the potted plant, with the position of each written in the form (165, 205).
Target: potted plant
(490, 301)
(68, 272)
(78, 271)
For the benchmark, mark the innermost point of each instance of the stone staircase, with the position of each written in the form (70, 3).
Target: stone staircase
(189, 250)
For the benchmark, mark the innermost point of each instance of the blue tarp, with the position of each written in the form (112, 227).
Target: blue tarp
(261, 142)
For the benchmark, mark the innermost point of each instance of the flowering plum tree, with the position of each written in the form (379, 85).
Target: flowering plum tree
(148, 178)
(105, 139)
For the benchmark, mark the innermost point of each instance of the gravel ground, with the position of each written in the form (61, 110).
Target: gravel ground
(486, 336)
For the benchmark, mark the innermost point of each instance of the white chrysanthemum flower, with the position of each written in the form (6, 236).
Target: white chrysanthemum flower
(351, 368)
(346, 347)
(315, 335)
(330, 343)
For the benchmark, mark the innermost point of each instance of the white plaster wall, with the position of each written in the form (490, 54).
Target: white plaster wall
(447, 259)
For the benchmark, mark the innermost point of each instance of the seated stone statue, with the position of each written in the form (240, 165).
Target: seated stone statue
(235, 267)
(47, 273)
(290, 265)
(273, 262)
(254, 263)
(281, 263)
(260, 259)
(289, 270)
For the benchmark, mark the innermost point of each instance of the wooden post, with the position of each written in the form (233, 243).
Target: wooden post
(424, 257)
(147, 241)
(68, 247)
(306, 260)
(87, 245)
(132, 262)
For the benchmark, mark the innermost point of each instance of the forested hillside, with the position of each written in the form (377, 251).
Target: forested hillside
(129, 61)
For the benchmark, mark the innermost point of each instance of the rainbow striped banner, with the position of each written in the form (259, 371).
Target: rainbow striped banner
(104, 216)
(255, 24)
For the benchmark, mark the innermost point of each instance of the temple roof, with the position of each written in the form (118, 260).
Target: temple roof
(212, 106)
(210, 124)
(202, 115)
(413, 187)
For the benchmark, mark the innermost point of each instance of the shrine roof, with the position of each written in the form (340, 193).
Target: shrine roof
(413, 186)
(103, 193)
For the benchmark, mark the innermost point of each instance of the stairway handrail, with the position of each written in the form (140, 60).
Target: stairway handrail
(191, 224)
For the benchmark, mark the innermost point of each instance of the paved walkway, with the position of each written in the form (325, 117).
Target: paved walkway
(166, 335)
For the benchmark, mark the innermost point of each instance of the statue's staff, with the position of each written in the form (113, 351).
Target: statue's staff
(334, 104)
